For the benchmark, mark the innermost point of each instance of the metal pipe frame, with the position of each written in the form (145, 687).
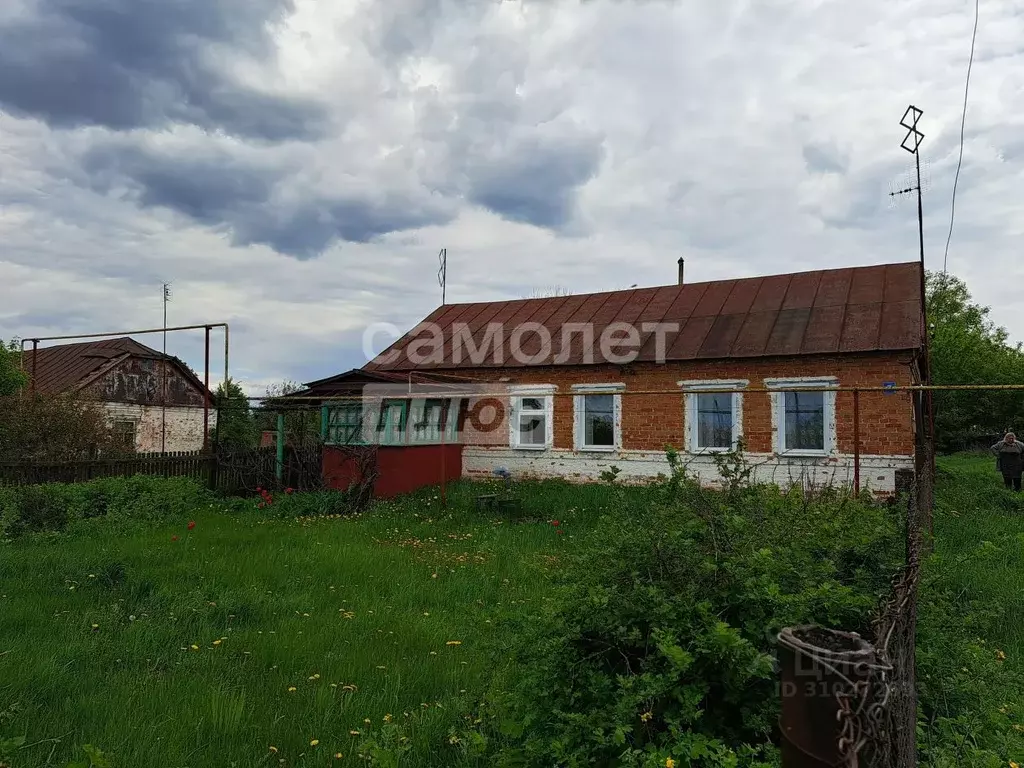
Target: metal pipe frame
(107, 335)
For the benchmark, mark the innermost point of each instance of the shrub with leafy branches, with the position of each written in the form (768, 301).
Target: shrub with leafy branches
(657, 643)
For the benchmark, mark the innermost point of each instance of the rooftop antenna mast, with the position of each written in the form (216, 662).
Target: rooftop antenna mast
(442, 273)
(163, 374)
(912, 144)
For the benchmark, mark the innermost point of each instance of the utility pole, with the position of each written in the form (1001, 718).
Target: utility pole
(163, 375)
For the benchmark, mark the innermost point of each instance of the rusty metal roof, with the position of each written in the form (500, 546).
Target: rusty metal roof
(858, 309)
(69, 367)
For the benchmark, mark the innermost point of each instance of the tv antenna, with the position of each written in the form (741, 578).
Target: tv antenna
(442, 273)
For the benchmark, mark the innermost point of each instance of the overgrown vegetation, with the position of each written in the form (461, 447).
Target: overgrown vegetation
(656, 642)
(606, 625)
(968, 348)
(971, 622)
(12, 378)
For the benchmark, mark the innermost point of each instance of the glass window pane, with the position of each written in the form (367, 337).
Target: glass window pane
(599, 420)
(392, 422)
(805, 421)
(714, 420)
(344, 424)
(531, 404)
(532, 430)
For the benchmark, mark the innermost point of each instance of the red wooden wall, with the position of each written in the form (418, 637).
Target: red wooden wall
(401, 468)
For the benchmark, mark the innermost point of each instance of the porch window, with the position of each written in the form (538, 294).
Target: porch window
(598, 416)
(803, 412)
(428, 415)
(531, 423)
(345, 424)
(392, 422)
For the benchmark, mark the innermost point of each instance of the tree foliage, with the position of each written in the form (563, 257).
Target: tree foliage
(968, 348)
(235, 430)
(12, 378)
(54, 428)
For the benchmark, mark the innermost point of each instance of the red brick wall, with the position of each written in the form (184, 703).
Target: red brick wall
(650, 421)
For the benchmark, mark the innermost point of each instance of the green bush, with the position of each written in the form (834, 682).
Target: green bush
(52, 507)
(657, 642)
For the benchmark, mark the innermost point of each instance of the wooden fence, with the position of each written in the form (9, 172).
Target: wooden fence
(194, 464)
(228, 472)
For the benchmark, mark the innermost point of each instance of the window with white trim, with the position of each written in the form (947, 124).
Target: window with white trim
(598, 416)
(714, 419)
(804, 415)
(531, 422)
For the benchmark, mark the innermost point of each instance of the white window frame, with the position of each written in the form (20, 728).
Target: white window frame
(692, 389)
(780, 387)
(579, 427)
(543, 392)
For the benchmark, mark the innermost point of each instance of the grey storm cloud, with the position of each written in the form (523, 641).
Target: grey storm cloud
(535, 181)
(126, 64)
(250, 200)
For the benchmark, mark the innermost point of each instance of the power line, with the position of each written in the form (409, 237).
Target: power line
(963, 121)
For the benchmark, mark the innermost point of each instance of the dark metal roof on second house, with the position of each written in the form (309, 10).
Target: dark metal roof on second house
(69, 367)
(858, 309)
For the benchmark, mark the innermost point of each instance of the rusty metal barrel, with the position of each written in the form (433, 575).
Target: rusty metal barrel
(823, 675)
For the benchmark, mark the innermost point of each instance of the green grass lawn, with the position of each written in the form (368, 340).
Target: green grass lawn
(249, 638)
(248, 633)
(971, 620)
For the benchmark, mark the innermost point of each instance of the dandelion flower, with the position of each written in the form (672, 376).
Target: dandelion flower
(387, 718)
(314, 742)
(353, 733)
(645, 717)
(273, 749)
(670, 763)
(95, 626)
(217, 642)
(454, 642)
(195, 647)
(1001, 655)
(1013, 764)
(291, 688)
(366, 720)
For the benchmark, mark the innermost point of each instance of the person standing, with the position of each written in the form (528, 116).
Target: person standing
(1010, 461)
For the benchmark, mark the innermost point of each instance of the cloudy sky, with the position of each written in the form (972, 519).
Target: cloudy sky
(293, 167)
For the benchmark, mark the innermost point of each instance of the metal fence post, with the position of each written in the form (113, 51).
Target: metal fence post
(280, 446)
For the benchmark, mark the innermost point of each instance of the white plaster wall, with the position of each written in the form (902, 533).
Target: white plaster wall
(877, 473)
(184, 431)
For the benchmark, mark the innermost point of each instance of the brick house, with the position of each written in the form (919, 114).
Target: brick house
(570, 386)
(125, 377)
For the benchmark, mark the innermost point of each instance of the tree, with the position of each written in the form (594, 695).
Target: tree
(235, 427)
(968, 348)
(554, 292)
(12, 378)
(301, 417)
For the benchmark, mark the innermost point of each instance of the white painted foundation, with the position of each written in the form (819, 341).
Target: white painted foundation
(877, 473)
